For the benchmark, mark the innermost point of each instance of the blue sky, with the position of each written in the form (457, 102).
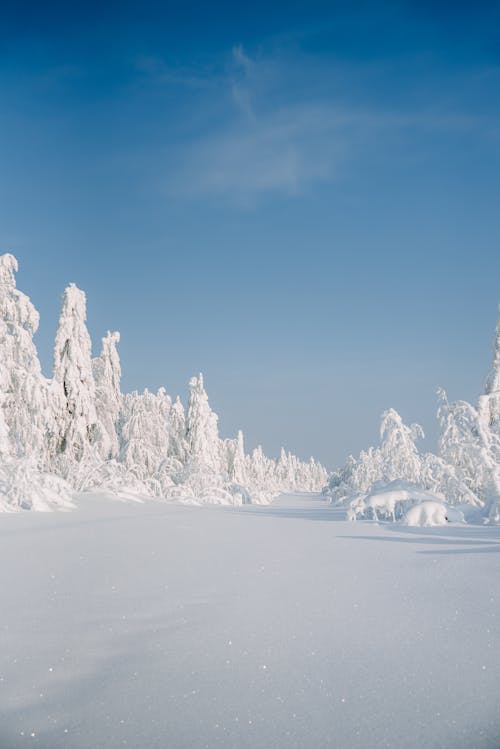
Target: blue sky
(298, 199)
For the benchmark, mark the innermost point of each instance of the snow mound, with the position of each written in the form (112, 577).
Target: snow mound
(24, 487)
(390, 501)
(427, 514)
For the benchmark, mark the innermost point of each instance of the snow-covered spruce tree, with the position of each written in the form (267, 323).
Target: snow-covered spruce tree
(23, 390)
(202, 434)
(236, 460)
(75, 404)
(204, 476)
(178, 446)
(107, 375)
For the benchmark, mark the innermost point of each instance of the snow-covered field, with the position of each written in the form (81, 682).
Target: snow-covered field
(280, 626)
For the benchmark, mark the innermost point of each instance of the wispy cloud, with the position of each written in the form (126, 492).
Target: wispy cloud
(270, 135)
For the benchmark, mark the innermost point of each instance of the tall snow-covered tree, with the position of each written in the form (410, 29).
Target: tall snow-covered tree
(107, 374)
(24, 391)
(77, 417)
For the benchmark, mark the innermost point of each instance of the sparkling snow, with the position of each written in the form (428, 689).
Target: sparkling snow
(261, 627)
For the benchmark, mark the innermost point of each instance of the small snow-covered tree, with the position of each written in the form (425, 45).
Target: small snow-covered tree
(178, 447)
(77, 417)
(202, 434)
(107, 374)
(145, 437)
(237, 469)
(400, 456)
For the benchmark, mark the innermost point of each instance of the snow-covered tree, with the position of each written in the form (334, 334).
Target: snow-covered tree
(107, 374)
(399, 453)
(77, 417)
(145, 438)
(469, 445)
(27, 418)
(202, 434)
(236, 463)
(178, 447)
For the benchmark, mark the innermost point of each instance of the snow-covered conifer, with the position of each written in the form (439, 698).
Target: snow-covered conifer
(202, 434)
(23, 389)
(178, 447)
(237, 469)
(77, 417)
(107, 374)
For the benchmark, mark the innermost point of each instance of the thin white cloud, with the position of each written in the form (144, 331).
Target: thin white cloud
(260, 146)
(285, 151)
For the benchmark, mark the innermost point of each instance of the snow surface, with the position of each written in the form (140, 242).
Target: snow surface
(161, 625)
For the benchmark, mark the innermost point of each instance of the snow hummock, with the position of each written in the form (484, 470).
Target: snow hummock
(390, 501)
(427, 514)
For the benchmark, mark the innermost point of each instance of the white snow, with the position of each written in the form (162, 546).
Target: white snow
(427, 514)
(259, 627)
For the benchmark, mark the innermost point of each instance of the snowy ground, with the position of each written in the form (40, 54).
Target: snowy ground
(262, 627)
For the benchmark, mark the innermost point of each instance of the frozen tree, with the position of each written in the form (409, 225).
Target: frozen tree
(27, 418)
(107, 374)
(237, 469)
(77, 417)
(400, 456)
(145, 438)
(469, 445)
(178, 447)
(202, 434)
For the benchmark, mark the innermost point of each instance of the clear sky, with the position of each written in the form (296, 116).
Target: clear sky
(299, 199)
